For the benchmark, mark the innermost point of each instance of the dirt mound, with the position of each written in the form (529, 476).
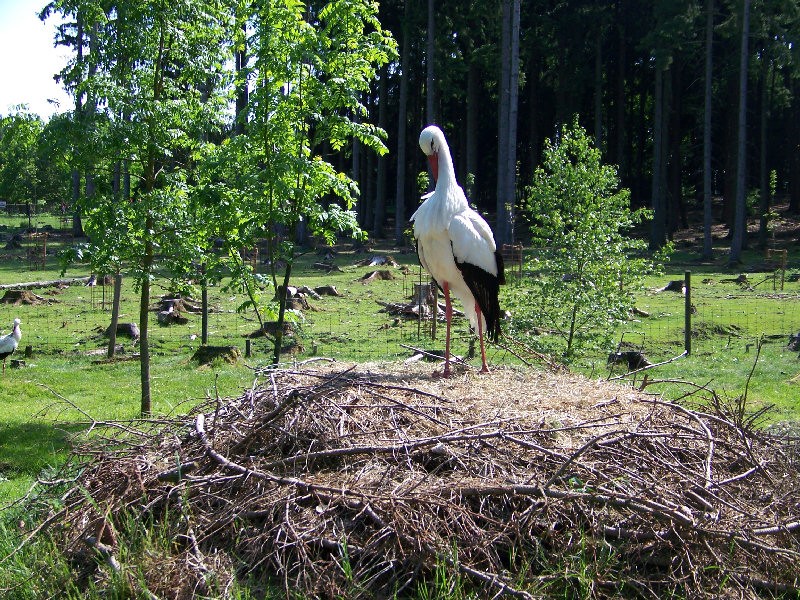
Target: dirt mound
(363, 482)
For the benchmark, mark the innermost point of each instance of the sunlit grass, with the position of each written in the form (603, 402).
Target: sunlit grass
(66, 343)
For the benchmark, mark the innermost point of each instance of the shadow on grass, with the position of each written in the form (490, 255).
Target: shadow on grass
(27, 448)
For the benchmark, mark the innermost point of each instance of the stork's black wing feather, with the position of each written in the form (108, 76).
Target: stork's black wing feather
(485, 287)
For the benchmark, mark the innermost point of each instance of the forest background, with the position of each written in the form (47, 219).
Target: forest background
(499, 77)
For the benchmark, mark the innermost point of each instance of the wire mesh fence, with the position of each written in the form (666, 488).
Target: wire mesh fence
(724, 313)
(720, 313)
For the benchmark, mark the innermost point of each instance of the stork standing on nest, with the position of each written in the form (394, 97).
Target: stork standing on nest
(456, 246)
(9, 342)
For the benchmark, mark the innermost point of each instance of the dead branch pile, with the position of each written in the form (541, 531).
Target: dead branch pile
(345, 481)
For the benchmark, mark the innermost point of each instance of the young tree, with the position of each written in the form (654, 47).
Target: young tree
(152, 114)
(310, 73)
(588, 264)
(19, 138)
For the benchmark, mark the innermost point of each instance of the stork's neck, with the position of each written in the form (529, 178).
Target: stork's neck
(447, 174)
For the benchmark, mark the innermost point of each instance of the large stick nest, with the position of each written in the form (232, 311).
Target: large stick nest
(364, 483)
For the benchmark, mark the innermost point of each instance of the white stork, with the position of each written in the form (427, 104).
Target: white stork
(456, 246)
(9, 342)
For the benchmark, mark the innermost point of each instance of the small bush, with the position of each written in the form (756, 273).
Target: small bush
(587, 266)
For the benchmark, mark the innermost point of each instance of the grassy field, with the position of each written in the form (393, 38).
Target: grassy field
(64, 331)
(62, 385)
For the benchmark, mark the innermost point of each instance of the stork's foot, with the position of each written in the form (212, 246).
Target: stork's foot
(484, 370)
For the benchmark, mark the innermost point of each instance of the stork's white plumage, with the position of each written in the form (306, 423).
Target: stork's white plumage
(456, 246)
(9, 342)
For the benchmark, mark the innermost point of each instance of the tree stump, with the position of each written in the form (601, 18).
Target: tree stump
(271, 329)
(17, 297)
(327, 290)
(633, 358)
(676, 285)
(130, 330)
(205, 355)
(382, 274)
(170, 317)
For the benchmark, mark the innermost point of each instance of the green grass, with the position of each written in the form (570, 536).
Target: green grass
(63, 334)
(728, 323)
(37, 415)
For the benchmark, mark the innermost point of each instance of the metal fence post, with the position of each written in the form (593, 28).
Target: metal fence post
(687, 327)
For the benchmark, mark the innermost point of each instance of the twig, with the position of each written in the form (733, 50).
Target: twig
(453, 357)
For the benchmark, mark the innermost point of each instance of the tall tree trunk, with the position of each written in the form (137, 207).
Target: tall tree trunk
(503, 121)
(533, 117)
(77, 224)
(242, 92)
(740, 220)
(282, 292)
(473, 108)
(763, 175)
(641, 135)
(513, 114)
(620, 127)
(148, 257)
(144, 321)
(90, 108)
(203, 303)
(708, 250)
(402, 118)
(380, 186)
(730, 158)
(370, 187)
(507, 121)
(430, 72)
(794, 156)
(117, 294)
(356, 169)
(658, 229)
(112, 330)
(676, 207)
(598, 89)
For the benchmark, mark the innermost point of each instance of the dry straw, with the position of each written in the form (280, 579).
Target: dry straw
(362, 481)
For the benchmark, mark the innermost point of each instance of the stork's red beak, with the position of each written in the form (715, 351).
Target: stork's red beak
(433, 162)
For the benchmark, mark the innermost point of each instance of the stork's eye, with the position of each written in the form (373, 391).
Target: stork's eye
(431, 145)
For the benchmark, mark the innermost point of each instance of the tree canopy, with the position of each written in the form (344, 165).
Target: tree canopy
(198, 119)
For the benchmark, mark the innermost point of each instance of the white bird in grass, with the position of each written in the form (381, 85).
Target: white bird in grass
(9, 342)
(456, 246)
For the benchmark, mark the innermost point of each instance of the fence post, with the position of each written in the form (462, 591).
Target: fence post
(687, 326)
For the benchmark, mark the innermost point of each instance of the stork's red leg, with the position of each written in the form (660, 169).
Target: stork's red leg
(484, 366)
(448, 314)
